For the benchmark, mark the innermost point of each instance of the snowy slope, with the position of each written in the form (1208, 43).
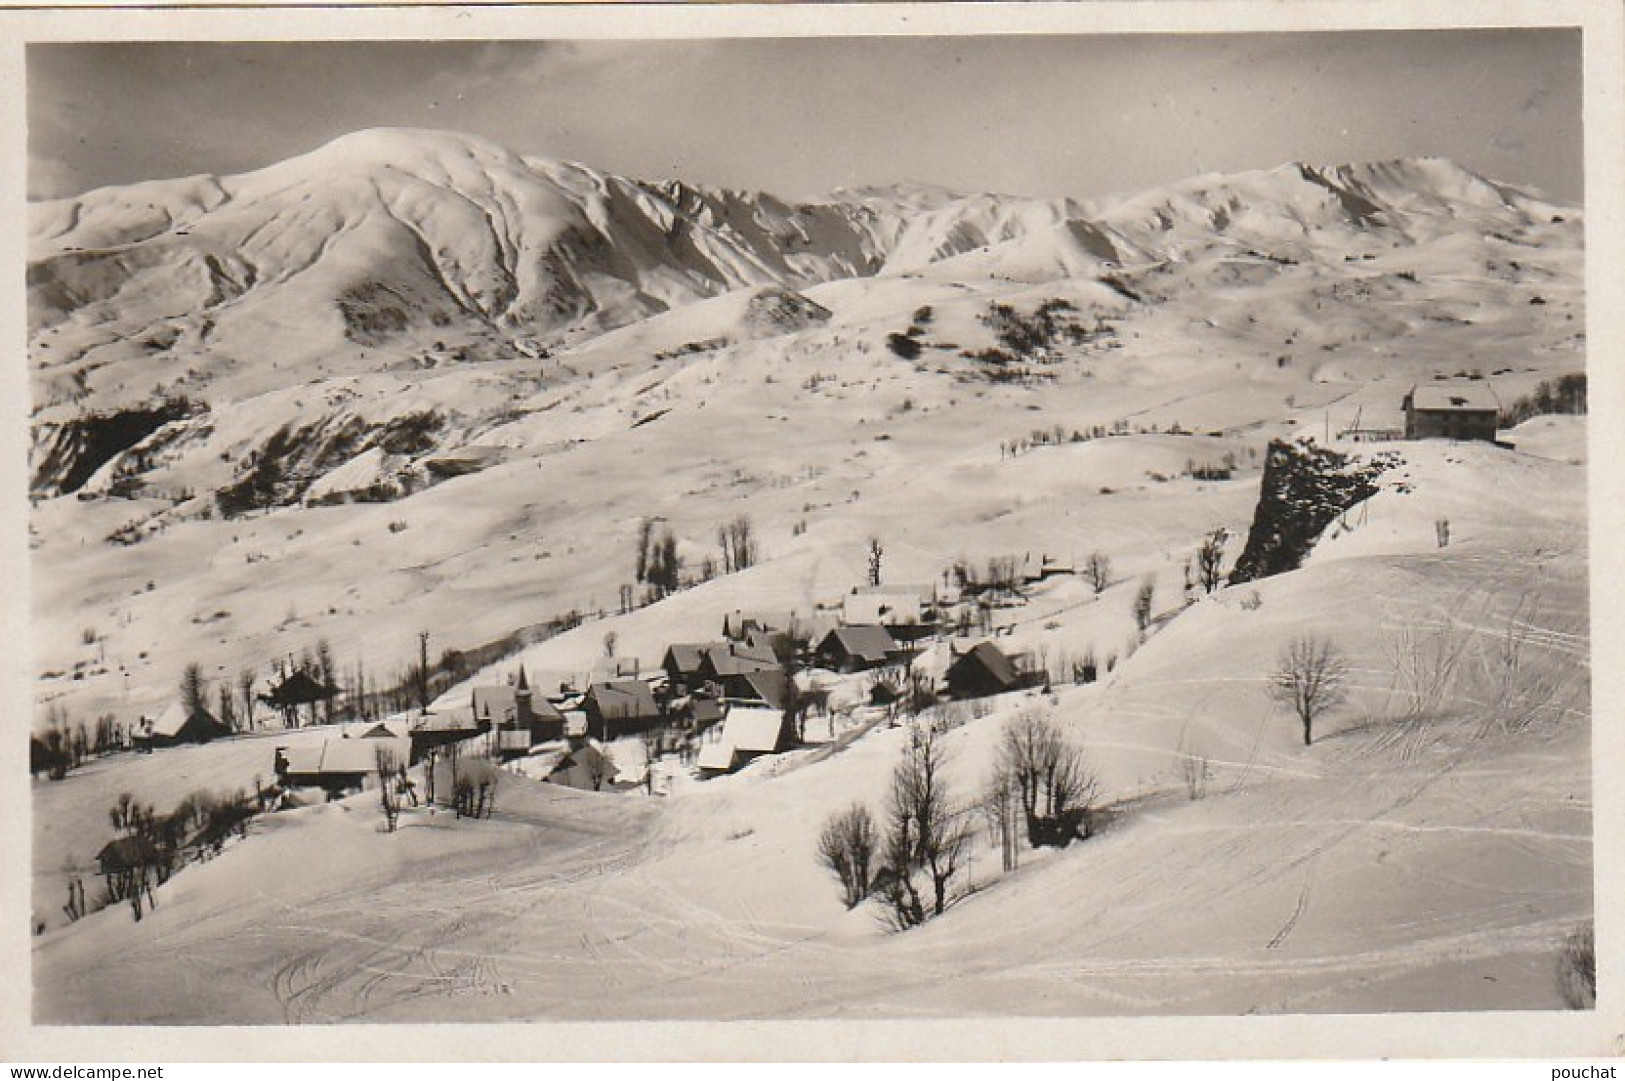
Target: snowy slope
(1394, 865)
(441, 385)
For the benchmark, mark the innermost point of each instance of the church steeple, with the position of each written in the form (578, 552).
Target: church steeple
(521, 697)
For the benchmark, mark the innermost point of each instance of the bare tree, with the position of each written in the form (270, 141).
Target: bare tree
(1142, 604)
(1098, 568)
(1196, 768)
(998, 806)
(665, 566)
(738, 545)
(194, 691)
(611, 639)
(646, 528)
(1003, 573)
(1210, 560)
(325, 672)
(1050, 776)
(875, 554)
(600, 768)
(846, 845)
(388, 794)
(1310, 680)
(245, 688)
(420, 672)
(651, 755)
(228, 706)
(925, 834)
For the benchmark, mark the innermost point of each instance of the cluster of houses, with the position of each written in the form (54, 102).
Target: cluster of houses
(724, 701)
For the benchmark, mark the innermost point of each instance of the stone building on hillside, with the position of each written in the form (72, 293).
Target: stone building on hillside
(1452, 411)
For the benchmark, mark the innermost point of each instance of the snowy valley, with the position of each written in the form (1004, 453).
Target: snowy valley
(413, 383)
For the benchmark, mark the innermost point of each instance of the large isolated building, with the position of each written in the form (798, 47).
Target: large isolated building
(1452, 411)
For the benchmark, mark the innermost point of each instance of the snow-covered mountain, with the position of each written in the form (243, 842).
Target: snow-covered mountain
(401, 308)
(389, 236)
(413, 382)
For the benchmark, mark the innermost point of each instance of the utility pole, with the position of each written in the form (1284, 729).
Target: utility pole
(423, 672)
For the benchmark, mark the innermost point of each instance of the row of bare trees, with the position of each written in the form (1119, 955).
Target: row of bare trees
(1041, 791)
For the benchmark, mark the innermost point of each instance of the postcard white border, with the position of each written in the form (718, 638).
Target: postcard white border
(1535, 1035)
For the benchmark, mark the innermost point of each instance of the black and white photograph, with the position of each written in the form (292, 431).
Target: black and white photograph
(848, 526)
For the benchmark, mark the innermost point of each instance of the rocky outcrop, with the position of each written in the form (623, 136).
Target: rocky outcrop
(66, 454)
(1305, 488)
(284, 468)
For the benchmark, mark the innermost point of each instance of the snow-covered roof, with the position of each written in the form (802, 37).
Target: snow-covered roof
(495, 703)
(753, 729)
(447, 720)
(353, 756)
(1455, 397)
(361, 755)
(924, 592)
(716, 755)
(737, 622)
(173, 719)
(736, 660)
(389, 727)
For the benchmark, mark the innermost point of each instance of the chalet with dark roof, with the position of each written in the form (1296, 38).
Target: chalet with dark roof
(620, 707)
(983, 670)
(768, 686)
(682, 663)
(857, 648)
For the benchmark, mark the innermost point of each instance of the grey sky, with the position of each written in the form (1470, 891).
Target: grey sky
(1051, 115)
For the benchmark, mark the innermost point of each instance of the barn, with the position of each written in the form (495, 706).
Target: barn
(124, 855)
(982, 670)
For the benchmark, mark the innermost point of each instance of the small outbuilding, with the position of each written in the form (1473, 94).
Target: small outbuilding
(583, 766)
(124, 855)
